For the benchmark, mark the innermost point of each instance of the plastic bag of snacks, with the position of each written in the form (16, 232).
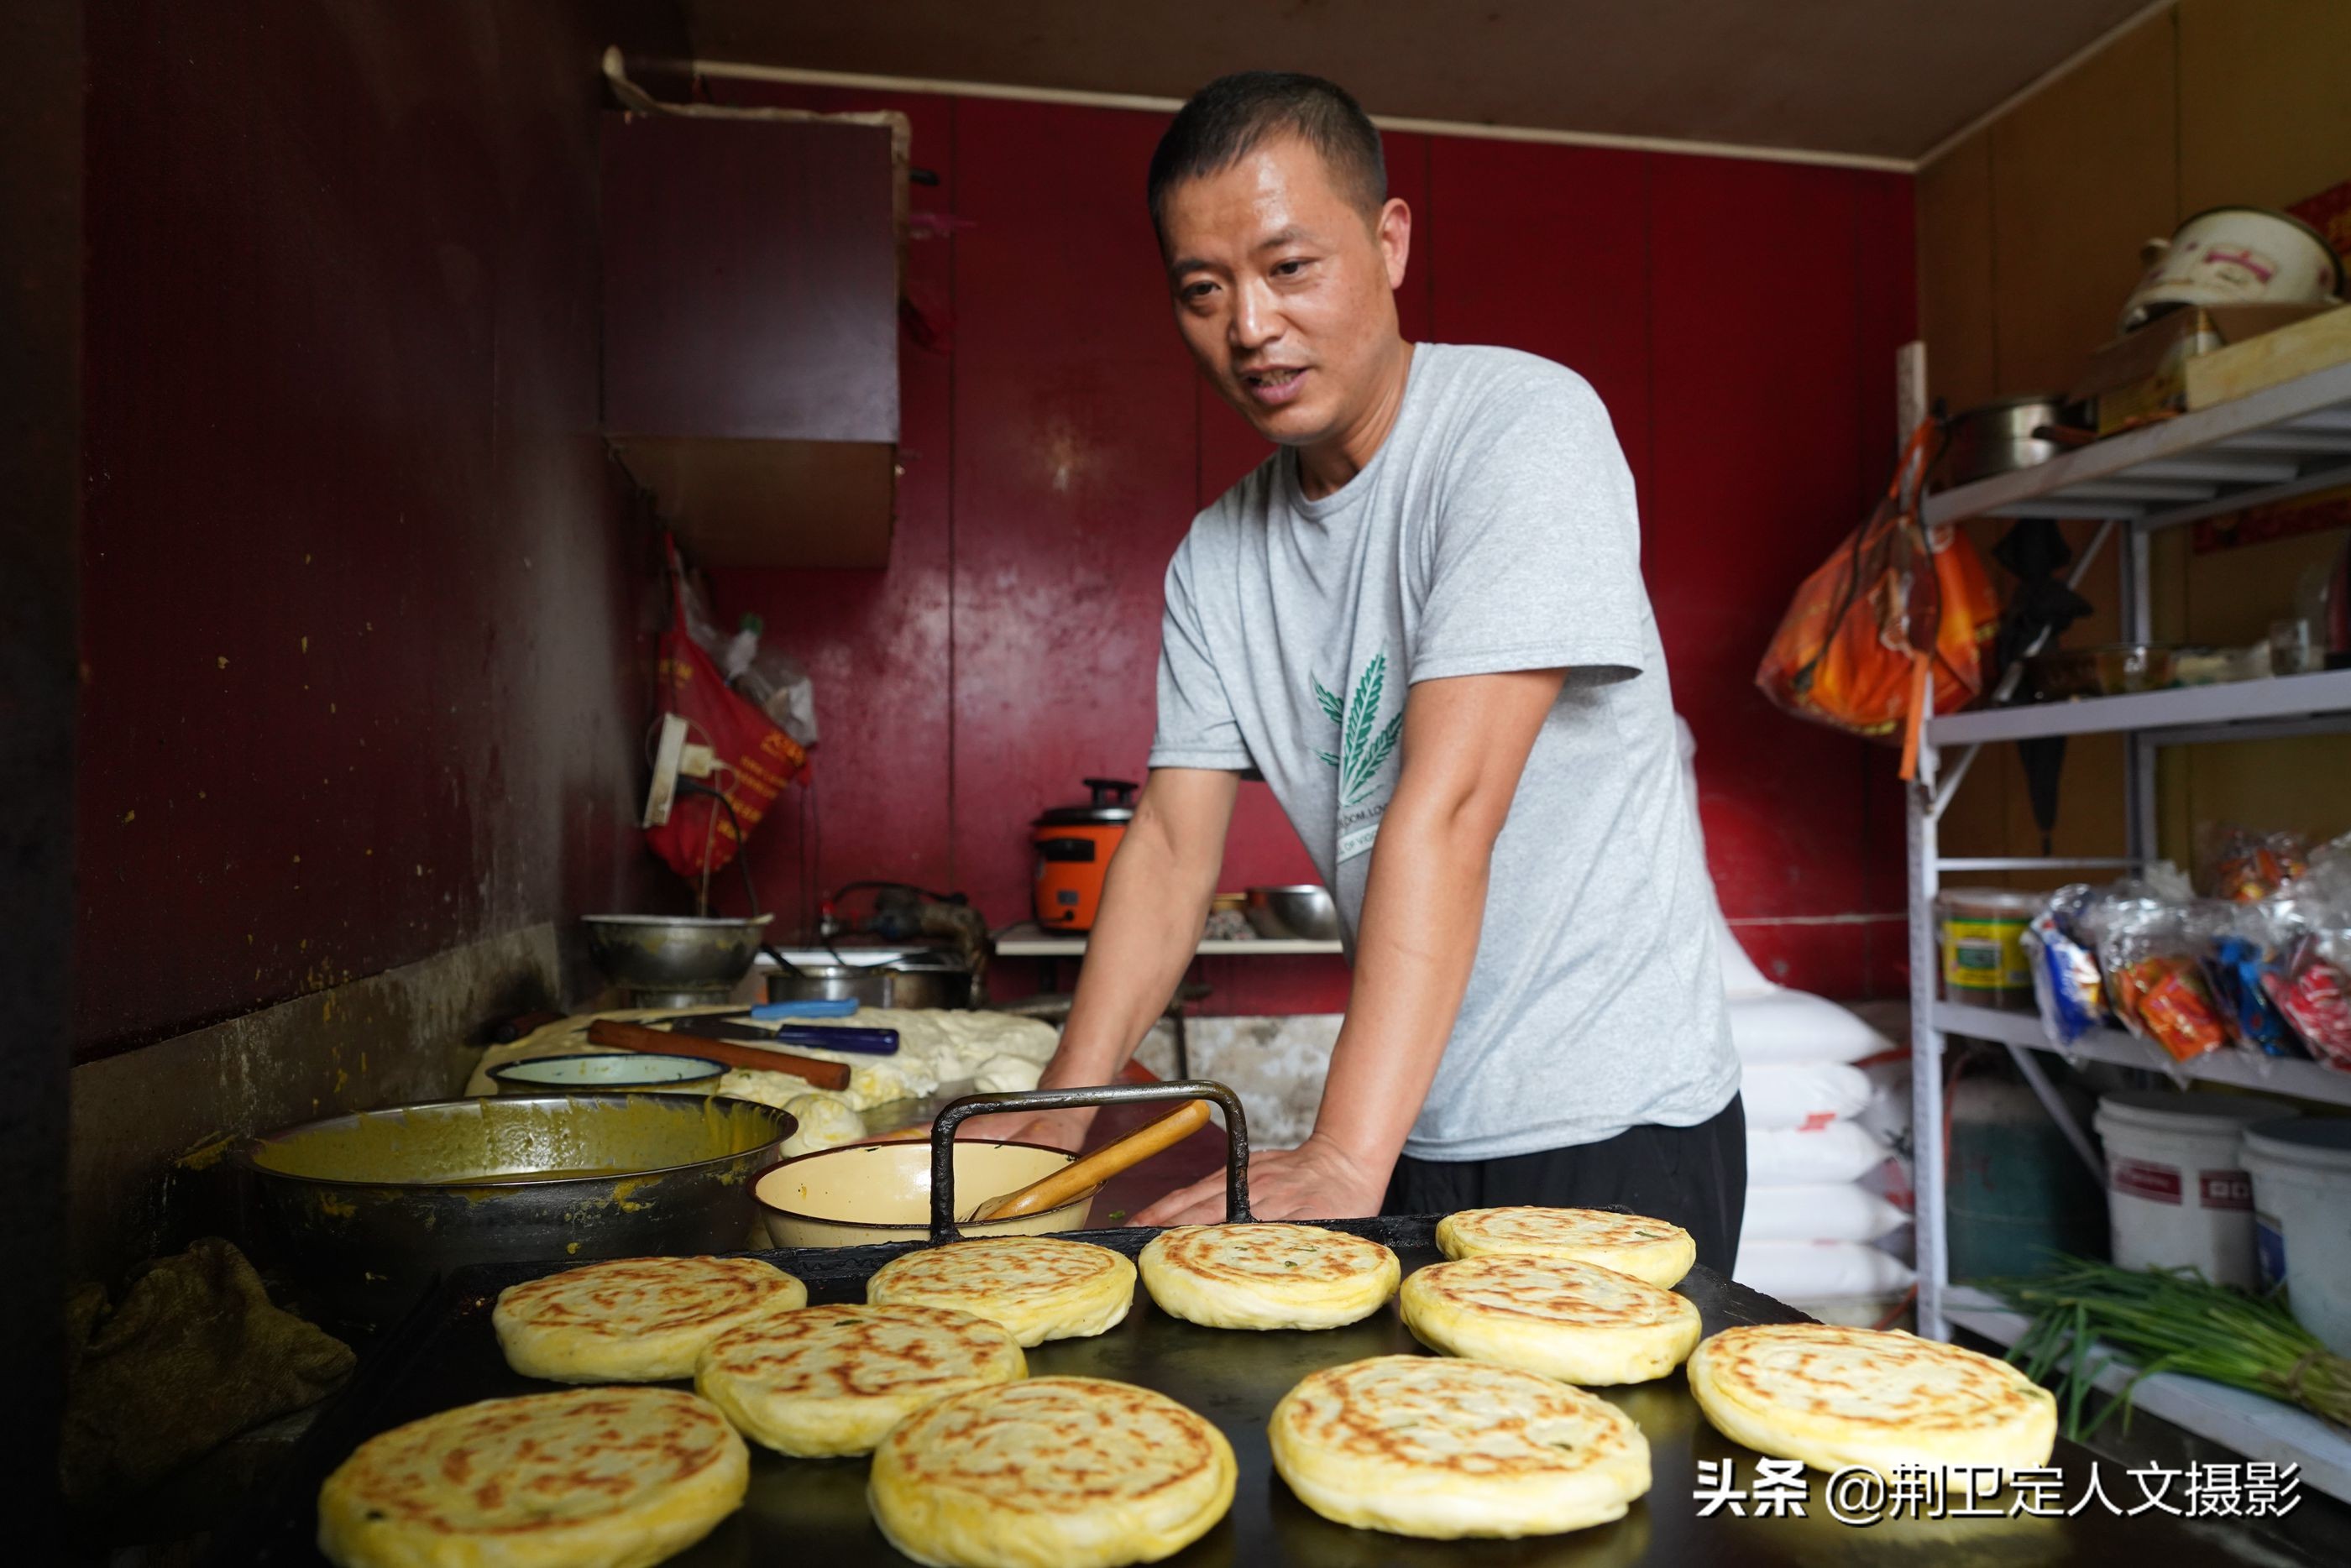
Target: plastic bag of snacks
(2241, 867)
(2154, 974)
(2242, 944)
(2311, 982)
(2066, 980)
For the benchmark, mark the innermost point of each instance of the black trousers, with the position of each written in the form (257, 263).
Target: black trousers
(1693, 1175)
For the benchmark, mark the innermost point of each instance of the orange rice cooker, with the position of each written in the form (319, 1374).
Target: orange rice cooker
(1074, 844)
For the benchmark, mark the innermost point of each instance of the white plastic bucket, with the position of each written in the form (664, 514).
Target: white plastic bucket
(2302, 1206)
(2176, 1192)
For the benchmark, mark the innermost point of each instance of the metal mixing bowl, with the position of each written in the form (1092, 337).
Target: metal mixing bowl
(609, 1073)
(365, 1210)
(683, 959)
(1301, 913)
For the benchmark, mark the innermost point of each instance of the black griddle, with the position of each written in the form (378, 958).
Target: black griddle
(814, 1511)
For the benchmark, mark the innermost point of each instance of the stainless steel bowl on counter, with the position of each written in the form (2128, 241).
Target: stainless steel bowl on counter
(912, 980)
(364, 1210)
(675, 961)
(1306, 913)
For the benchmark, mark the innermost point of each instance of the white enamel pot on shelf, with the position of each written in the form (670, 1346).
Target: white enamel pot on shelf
(2235, 255)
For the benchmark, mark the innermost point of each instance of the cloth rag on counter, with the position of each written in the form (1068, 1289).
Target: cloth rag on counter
(195, 1353)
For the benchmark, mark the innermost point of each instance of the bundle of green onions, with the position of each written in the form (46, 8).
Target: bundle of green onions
(2166, 1321)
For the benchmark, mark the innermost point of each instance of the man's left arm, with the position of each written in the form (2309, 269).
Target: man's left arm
(1466, 740)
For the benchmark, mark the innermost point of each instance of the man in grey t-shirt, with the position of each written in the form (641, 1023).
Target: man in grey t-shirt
(1422, 622)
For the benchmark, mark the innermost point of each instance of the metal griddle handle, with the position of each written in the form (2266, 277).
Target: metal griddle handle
(943, 1210)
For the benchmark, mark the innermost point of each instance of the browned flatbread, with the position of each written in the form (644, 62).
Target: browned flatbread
(1433, 1447)
(831, 1380)
(1077, 1472)
(602, 1477)
(1267, 1276)
(634, 1319)
(1038, 1287)
(1573, 1321)
(1653, 1250)
(1835, 1397)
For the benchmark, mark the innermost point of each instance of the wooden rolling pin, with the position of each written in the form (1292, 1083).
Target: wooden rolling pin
(661, 1042)
(1098, 1166)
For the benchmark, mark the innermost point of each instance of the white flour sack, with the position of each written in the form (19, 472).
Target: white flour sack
(1788, 1094)
(1813, 1271)
(1793, 1026)
(1818, 1211)
(1840, 1151)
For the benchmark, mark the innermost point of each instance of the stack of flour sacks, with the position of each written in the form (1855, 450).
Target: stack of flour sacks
(1828, 1117)
(1827, 1193)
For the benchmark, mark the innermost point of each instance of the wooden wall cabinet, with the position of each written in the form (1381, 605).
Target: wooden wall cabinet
(750, 332)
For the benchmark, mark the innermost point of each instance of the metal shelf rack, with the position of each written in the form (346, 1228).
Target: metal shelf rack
(2289, 439)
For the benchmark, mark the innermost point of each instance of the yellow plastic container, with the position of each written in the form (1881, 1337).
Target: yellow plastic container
(1982, 936)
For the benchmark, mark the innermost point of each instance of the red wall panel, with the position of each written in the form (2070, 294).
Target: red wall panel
(1772, 327)
(364, 663)
(1076, 460)
(1739, 318)
(1545, 248)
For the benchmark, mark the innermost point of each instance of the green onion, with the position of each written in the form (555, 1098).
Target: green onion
(2166, 1321)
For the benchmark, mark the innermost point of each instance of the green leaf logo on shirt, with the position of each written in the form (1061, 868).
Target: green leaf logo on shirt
(1362, 750)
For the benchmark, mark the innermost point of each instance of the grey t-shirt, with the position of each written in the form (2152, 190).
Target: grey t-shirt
(1494, 530)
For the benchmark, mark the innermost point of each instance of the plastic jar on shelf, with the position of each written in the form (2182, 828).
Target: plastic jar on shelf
(1982, 931)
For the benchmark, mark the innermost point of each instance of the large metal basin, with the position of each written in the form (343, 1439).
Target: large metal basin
(681, 961)
(364, 1211)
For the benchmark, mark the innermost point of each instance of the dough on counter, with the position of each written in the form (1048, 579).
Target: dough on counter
(1077, 1472)
(877, 1080)
(634, 1320)
(825, 1381)
(1424, 1446)
(586, 1477)
(777, 1089)
(825, 1122)
(1038, 1287)
(949, 1046)
(1833, 1396)
(1576, 1322)
(1648, 1250)
(1266, 1276)
(1006, 1076)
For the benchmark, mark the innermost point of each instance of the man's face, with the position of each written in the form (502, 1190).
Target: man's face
(1285, 289)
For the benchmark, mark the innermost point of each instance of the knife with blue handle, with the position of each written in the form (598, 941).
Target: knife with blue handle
(807, 1007)
(822, 1037)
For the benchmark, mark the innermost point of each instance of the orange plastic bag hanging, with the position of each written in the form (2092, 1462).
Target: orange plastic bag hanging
(755, 760)
(1898, 609)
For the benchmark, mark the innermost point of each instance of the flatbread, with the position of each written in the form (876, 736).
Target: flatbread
(585, 1478)
(634, 1320)
(1835, 1396)
(1267, 1276)
(1422, 1446)
(1038, 1287)
(1576, 1322)
(1648, 1250)
(1055, 1472)
(823, 1381)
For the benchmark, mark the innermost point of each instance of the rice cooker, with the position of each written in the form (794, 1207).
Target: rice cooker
(1074, 844)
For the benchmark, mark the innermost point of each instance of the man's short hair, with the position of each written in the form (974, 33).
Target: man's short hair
(1226, 120)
